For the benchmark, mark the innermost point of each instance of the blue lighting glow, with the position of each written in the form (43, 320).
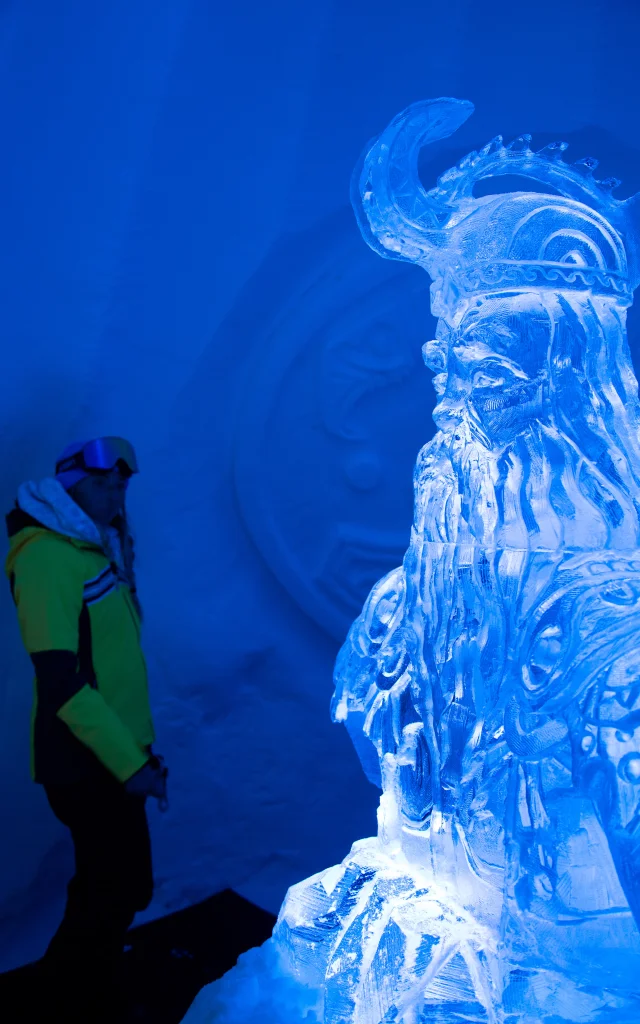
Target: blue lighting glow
(492, 681)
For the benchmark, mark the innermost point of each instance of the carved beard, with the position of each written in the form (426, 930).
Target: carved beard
(481, 516)
(540, 492)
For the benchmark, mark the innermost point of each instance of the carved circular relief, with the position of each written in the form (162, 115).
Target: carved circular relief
(338, 405)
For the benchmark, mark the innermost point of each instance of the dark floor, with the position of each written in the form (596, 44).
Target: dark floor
(169, 960)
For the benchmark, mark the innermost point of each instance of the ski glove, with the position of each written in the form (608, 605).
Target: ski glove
(150, 780)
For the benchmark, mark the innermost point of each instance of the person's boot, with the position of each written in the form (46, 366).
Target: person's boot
(106, 998)
(54, 994)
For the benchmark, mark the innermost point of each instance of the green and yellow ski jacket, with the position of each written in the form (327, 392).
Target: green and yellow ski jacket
(82, 630)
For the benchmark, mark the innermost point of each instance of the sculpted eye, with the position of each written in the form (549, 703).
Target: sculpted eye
(485, 380)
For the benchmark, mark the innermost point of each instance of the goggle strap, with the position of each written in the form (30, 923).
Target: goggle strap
(73, 462)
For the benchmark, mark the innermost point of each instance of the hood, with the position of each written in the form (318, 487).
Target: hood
(46, 507)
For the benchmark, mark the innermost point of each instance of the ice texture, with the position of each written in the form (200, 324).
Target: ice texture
(492, 682)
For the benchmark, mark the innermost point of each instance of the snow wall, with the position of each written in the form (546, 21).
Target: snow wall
(180, 265)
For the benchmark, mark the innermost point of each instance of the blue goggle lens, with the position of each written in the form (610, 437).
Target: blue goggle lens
(102, 455)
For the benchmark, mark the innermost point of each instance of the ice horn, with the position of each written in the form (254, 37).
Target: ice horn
(396, 215)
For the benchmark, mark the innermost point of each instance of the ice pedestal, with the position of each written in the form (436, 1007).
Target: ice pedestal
(377, 940)
(494, 677)
(259, 990)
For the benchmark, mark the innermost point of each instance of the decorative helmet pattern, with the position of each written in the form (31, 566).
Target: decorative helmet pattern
(580, 238)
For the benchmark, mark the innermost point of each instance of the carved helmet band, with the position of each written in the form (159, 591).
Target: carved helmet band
(580, 238)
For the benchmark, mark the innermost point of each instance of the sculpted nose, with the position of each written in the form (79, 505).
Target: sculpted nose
(434, 356)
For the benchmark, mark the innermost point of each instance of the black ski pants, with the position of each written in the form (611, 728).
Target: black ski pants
(113, 879)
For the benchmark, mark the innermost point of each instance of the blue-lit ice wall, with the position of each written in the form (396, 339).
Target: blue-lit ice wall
(180, 264)
(492, 681)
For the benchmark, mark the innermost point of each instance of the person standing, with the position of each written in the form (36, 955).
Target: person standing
(71, 570)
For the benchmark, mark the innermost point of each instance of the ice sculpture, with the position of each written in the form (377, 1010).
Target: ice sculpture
(492, 682)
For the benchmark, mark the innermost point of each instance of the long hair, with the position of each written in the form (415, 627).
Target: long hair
(126, 560)
(594, 395)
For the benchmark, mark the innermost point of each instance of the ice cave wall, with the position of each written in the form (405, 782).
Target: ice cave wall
(180, 265)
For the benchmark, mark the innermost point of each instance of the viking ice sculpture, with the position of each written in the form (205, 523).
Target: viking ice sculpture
(492, 682)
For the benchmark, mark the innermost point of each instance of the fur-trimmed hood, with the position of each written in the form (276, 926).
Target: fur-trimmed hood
(46, 506)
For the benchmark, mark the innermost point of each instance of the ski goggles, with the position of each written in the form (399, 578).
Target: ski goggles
(101, 456)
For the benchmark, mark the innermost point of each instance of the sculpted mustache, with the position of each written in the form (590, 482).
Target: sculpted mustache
(516, 395)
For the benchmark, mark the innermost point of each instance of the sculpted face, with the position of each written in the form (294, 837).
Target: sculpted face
(491, 367)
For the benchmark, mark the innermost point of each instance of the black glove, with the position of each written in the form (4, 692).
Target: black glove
(150, 780)
(157, 762)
